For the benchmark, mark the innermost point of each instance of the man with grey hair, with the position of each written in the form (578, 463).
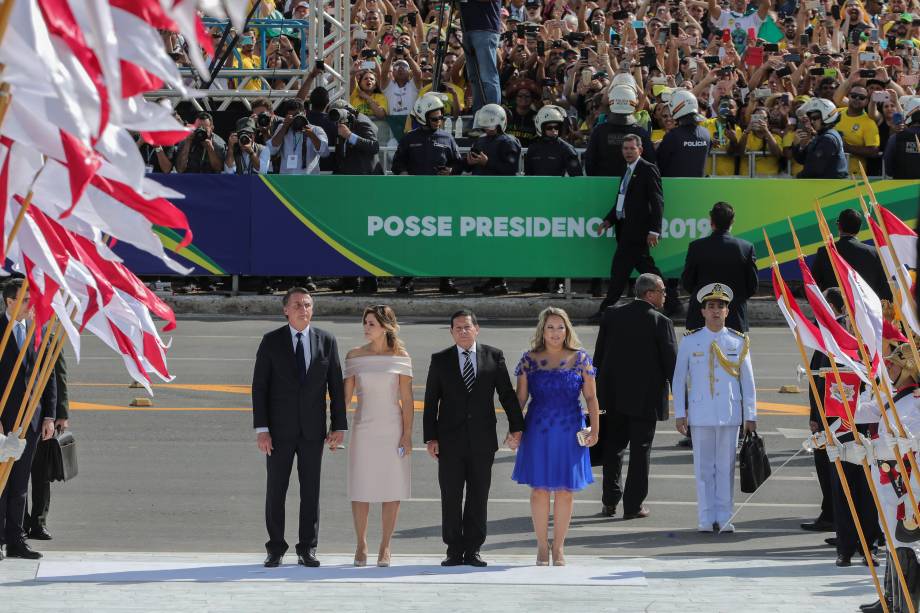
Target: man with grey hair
(635, 356)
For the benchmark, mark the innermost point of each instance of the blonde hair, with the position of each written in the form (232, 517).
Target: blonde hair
(571, 341)
(386, 317)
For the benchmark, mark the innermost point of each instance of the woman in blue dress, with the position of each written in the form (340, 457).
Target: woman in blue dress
(550, 458)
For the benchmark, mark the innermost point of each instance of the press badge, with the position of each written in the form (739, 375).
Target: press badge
(291, 163)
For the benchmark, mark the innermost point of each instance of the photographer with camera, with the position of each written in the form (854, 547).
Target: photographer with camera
(264, 117)
(297, 144)
(244, 155)
(203, 151)
(356, 143)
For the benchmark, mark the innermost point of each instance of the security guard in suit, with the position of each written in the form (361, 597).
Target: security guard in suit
(713, 390)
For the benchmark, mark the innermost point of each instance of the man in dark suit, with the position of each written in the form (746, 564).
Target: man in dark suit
(863, 258)
(459, 429)
(635, 356)
(14, 496)
(636, 219)
(296, 366)
(356, 146)
(36, 521)
(721, 258)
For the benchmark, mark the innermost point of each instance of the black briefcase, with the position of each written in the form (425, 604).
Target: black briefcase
(753, 463)
(61, 458)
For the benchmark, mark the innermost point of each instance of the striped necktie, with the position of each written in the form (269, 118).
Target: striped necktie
(469, 375)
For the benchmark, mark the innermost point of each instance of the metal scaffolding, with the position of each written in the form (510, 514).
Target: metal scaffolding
(331, 43)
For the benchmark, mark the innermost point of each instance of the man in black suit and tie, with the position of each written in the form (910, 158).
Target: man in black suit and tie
(721, 258)
(296, 366)
(863, 258)
(14, 496)
(636, 219)
(356, 146)
(635, 356)
(459, 429)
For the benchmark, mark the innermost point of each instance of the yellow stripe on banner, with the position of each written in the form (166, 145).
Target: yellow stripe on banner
(353, 257)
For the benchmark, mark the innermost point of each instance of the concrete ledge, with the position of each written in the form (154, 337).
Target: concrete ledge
(762, 310)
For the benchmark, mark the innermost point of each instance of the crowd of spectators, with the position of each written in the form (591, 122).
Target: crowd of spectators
(751, 68)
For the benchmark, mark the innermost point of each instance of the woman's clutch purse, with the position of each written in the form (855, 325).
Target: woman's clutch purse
(582, 436)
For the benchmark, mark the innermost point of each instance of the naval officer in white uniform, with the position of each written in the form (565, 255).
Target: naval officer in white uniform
(713, 389)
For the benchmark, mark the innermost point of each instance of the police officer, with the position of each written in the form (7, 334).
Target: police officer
(713, 390)
(604, 153)
(549, 155)
(902, 151)
(684, 150)
(817, 145)
(493, 153)
(427, 150)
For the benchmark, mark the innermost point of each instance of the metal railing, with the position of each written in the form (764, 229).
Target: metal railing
(385, 157)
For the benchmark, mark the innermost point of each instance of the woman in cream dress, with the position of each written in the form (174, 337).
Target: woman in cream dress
(379, 373)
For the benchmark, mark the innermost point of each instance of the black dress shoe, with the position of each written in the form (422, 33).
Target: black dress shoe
(273, 560)
(642, 512)
(474, 559)
(843, 560)
(608, 510)
(832, 541)
(819, 525)
(496, 290)
(405, 288)
(22, 550)
(875, 607)
(39, 533)
(447, 287)
(866, 561)
(309, 285)
(685, 442)
(452, 560)
(307, 559)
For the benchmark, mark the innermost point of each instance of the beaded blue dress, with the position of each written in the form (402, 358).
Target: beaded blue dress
(549, 456)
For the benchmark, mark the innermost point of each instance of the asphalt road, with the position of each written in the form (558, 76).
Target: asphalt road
(186, 475)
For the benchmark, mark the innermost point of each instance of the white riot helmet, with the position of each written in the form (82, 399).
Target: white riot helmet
(911, 108)
(683, 103)
(623, 100)
(829, 114)
(425, 104)
(624, 78)
(549, 114)
(490, 116)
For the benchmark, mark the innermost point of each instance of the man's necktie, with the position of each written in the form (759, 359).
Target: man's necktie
(301, 358)
(624, 184)
(469, 375)
(20, 331)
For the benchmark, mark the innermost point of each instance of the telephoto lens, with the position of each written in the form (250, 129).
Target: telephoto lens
(245, 138)
(299, 123)
(201, 135)
(338, 115)
(263, 120)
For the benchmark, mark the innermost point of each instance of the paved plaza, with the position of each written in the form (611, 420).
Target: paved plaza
(167, 512)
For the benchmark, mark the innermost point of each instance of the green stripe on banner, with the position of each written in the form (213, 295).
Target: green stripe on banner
(543, 226)
(171, 240)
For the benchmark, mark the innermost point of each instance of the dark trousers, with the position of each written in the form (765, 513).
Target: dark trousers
(629, 256)
(824, 468)
(463, 523)
(638, 433)
(309, 456)
(37, 515)
(847, 538)
(14, 497)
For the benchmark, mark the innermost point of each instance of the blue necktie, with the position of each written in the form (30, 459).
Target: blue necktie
(301, 358)
(20, 332)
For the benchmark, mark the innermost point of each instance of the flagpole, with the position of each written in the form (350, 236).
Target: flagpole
(831, 441)
(825, 233)
(30, 400)
(857, 437)
(895, 293)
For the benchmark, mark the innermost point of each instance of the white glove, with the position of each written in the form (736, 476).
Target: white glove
(833, 452)
(853, 452)
(882, 448)
(12, 448)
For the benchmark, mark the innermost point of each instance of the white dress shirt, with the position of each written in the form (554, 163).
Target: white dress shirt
(462, 358)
